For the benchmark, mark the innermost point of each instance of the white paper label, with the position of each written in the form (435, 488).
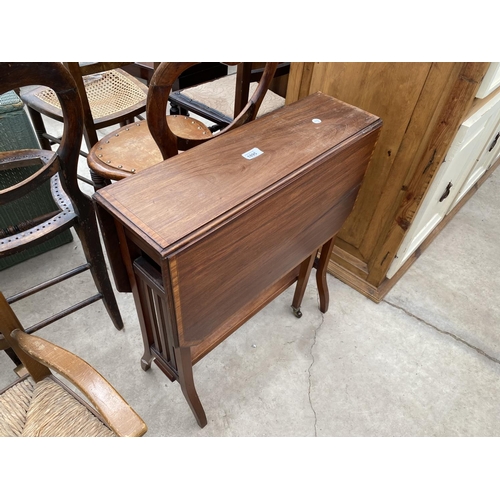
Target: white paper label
(253, 153)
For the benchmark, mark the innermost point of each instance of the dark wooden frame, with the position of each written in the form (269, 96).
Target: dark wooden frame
(60, 169)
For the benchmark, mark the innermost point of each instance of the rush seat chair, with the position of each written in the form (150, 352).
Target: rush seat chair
(40, 404)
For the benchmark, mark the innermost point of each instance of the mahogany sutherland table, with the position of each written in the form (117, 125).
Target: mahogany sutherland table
(212, 235)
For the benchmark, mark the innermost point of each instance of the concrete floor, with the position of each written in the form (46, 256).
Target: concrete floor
(423, 362)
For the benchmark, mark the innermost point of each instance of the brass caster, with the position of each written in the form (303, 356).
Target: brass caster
(297, 312)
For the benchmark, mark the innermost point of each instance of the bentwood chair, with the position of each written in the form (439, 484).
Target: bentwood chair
(39, 404)
(135, 147)
(31, 168)
(222, 99)
(109, 95)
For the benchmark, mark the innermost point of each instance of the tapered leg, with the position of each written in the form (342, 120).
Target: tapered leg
(89, 236)
(324, 295)
(141, 298)
(186, 381)
(304, 273)
(147, 359)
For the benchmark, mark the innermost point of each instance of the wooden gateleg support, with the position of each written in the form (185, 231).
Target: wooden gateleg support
(186, 381)
(324, 295)
(304, 273)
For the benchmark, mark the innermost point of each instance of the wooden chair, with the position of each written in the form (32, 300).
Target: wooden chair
(39, 404)
(222, 99)
(109, 95)
(32, 169)
(133, 148)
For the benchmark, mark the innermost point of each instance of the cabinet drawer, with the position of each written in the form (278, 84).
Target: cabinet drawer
(488, 156)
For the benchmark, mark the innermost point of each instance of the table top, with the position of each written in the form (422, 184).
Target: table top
(191, 193)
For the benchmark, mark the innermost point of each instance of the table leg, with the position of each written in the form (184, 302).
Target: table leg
(324, 296)
(146, 361)
(304, 273)
(186, 381)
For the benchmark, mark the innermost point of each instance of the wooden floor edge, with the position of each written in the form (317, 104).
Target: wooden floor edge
(377, 294)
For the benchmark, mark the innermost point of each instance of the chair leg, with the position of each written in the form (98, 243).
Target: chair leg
(175, 109)
(98, 181)
(39, 127)
(87, 231)
(13, 356)
(113, 246)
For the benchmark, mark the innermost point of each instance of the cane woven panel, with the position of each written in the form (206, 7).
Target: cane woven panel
(109, 92)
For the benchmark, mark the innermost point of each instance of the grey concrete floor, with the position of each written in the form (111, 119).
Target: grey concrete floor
(423, 362)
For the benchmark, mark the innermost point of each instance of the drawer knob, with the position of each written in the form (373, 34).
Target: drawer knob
(495, 140)
(446, 192)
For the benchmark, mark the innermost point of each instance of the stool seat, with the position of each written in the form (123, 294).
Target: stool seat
(131, 148)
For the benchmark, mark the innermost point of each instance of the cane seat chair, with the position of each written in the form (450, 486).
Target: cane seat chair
(39, 404)
(133, 148)
(32, 168)
(109, 95)
(222, 99)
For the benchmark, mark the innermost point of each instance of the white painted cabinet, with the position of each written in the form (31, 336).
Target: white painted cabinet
(490, 82)
(488, 156)
(473, 151)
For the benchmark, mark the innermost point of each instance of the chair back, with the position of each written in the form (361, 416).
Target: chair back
(28, 169)
(249, 72)
(64, 160)
(9, 323)
(159, 90)
(113, 111)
